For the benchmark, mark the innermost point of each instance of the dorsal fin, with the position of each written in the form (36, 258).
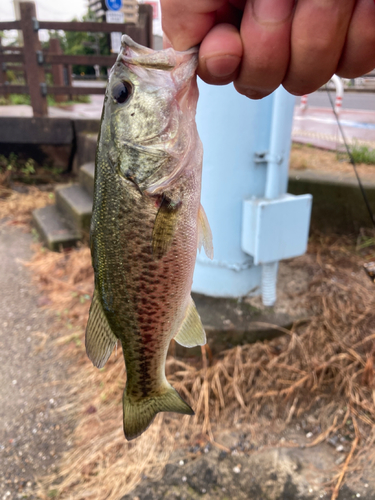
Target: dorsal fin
(191, 332)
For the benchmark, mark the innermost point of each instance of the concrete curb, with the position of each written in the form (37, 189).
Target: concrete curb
(338, 204)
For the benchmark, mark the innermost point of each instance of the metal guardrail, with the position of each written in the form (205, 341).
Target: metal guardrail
(31, 60)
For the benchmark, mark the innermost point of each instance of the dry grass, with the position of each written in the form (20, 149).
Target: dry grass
(17, 207)
(303, 157)
(326, 365)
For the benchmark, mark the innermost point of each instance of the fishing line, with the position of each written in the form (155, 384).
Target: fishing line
(352, 161)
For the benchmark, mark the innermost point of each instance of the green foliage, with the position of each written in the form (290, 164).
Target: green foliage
(25, 99)
(366, 239)
(14, 99)
(85, 99)
(363, 154)
(19, 99)
(29, 167)
(15, 168)
(8, 164)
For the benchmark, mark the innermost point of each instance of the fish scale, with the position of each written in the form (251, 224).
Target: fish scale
(146, 224)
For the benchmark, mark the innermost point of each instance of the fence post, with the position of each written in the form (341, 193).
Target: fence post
(145, 21)
(2, 66)
(33, 59)
(69, 72)
(57, 70)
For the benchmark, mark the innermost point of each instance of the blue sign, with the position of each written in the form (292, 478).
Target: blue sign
(113, 4)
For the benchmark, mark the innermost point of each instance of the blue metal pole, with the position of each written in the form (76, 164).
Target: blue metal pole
(245, 173)
(280, 142)
(232, 129)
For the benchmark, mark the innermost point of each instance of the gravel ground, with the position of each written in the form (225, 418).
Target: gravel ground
(33, 430)
(248, 473)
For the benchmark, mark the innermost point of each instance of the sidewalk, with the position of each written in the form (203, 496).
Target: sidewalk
(93, 110)
(315, 126)
(318, 127)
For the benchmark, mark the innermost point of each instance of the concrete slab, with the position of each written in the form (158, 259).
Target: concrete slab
(338, 205)
(76, 203)
(54, 229)
(35, 130)
(86, 177)
(231, 322)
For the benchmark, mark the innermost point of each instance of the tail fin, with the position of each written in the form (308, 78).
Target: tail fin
(139, 415)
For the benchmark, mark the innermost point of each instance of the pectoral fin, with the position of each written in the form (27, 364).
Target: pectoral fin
(191, 332)
(100, 340)
(204, 234)
(165, 227)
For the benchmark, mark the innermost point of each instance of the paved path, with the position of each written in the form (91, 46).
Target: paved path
(32, 431)
(351, 100)
(315, 125)
(318, 126)
(92, 110)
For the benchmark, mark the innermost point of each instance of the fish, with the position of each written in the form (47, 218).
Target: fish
(146, 226)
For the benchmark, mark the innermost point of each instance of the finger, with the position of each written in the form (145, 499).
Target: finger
(187, 23)
(358, 56)
(220, 55)
(317, 39)
(265, 34)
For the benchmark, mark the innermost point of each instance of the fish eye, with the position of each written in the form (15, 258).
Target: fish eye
(121, 92)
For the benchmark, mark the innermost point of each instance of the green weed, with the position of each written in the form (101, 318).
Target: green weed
(363, 154)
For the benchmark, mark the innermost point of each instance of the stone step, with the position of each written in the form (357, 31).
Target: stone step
(54, 228)
(76, 204)
(86, 177)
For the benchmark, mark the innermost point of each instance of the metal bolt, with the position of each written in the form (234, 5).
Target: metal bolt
(35, 22)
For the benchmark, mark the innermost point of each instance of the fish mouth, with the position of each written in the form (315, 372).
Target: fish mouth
(167, 59)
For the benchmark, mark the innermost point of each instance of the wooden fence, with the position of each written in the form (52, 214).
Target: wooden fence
(32, 60)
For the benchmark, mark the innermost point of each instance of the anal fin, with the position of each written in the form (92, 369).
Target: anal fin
(191, 332)
(100, 340)
(205, 234)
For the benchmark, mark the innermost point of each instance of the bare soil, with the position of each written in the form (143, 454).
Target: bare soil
(304, 157)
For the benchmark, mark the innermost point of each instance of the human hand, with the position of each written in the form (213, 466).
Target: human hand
(259, 44)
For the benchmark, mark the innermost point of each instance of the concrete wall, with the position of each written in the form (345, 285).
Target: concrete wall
(338, 205)
(50, 141)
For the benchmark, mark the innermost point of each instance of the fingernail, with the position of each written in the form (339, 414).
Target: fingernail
(272, 10)
(252, 92)
(223, 65)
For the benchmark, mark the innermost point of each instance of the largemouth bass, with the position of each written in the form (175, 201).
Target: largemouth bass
(146, 225)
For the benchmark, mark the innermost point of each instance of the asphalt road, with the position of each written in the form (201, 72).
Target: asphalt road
(351, 100)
